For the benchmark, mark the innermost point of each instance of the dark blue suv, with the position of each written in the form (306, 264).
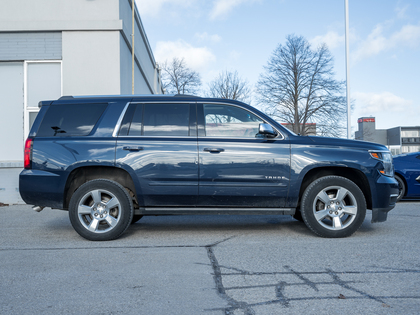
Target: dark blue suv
(110, 160)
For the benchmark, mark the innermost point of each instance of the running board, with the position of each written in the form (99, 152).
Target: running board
(215, 210)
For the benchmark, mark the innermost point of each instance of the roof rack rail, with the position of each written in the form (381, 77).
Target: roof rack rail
(66, 97)
(185, 95)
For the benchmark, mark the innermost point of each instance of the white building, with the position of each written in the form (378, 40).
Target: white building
(50, 48)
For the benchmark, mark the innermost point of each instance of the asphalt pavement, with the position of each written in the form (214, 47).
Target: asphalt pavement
(209, 265)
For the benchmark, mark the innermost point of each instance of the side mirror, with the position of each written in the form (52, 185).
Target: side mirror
(267, 130)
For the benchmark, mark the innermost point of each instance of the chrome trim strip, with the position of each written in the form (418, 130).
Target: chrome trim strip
(242, 185)
(118, 125)
(200, 137)
(394, 195)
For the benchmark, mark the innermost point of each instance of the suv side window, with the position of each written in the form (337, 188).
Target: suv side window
(230, 121)
(160, 120)
(70, 120)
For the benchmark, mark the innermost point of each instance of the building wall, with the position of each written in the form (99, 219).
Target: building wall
(381, 136)
(50, 48)
(33, 46)
(11, 134)
(34, 15)
(394, 136)
(91, 63)
(25, 16)
(140, 85)
(11, 105)
(145, 79)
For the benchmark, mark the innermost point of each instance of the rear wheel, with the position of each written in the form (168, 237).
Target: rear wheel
(100, 210)
(333, 206)
(401, 187)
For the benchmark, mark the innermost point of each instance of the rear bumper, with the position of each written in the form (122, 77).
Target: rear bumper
(41, 188)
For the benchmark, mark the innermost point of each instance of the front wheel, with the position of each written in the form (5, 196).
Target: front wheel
(333, 206)
(100, 210)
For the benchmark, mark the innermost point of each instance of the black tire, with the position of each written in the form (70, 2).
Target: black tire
(136, 217)
(100, 210)
(401, 187)
(333, 206)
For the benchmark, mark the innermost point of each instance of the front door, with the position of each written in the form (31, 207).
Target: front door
(239, 167)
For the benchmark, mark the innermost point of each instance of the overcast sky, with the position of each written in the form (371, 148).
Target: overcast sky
(218, 35)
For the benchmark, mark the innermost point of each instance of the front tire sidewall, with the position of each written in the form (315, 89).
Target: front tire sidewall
(401, 187)
(126, 209)
(307, 206)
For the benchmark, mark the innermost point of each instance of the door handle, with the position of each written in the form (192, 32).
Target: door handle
(134, 148)
(214, 150)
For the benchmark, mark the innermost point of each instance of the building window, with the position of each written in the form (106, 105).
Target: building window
(410, 133)
(42, 81)
(395, 150)
(410, 148)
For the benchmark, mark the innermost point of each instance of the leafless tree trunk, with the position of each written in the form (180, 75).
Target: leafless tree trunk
(298, 87)
(230, 85)
(177, 78)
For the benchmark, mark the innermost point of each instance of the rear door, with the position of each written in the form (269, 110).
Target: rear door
(239, 167)
(158, 142)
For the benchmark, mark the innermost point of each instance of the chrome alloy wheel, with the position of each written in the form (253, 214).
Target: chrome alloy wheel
(99, 211)
(335, 208)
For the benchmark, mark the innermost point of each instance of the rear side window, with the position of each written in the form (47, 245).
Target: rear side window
(159, 120)
(70, 120)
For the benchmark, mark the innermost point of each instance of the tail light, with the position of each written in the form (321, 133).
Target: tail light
(27, 157)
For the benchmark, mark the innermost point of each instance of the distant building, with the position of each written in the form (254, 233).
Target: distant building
(309, 127)
(398, 140)
(50, 48)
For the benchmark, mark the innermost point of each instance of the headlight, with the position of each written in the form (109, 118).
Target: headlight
(386, 158)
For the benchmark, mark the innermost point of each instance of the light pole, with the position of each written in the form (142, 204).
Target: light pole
(132, 49)
(346, 4)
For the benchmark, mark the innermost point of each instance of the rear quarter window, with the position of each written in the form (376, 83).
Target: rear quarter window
(70, 120)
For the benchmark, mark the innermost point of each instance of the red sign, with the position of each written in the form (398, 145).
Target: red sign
(366, 120)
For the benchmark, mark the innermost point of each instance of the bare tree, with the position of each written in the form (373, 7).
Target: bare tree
(177, 78)
(298, 87)
(230, 85)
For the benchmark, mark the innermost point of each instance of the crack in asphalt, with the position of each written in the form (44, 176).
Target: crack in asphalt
(280, 287)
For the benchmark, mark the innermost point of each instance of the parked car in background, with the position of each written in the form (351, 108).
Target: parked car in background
(407, 174)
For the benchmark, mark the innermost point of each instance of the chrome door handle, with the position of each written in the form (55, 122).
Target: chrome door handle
(134, 148)
(214, 150)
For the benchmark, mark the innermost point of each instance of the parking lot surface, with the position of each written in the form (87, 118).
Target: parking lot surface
(209, 265)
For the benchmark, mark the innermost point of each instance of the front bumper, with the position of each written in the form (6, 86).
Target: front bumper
(385, 199)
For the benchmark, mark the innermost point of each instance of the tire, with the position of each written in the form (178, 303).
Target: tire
(333, 207)
(136, 217)
(401, 187)
(100, 210)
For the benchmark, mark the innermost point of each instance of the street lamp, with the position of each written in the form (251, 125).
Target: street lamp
(346, 4)
(132, 48)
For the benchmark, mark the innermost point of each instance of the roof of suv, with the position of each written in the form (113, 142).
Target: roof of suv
(138, 98)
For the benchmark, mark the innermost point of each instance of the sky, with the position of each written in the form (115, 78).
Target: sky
(240, 35)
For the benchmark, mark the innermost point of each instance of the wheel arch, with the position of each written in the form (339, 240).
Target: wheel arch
(354, 175)
(81, 175)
